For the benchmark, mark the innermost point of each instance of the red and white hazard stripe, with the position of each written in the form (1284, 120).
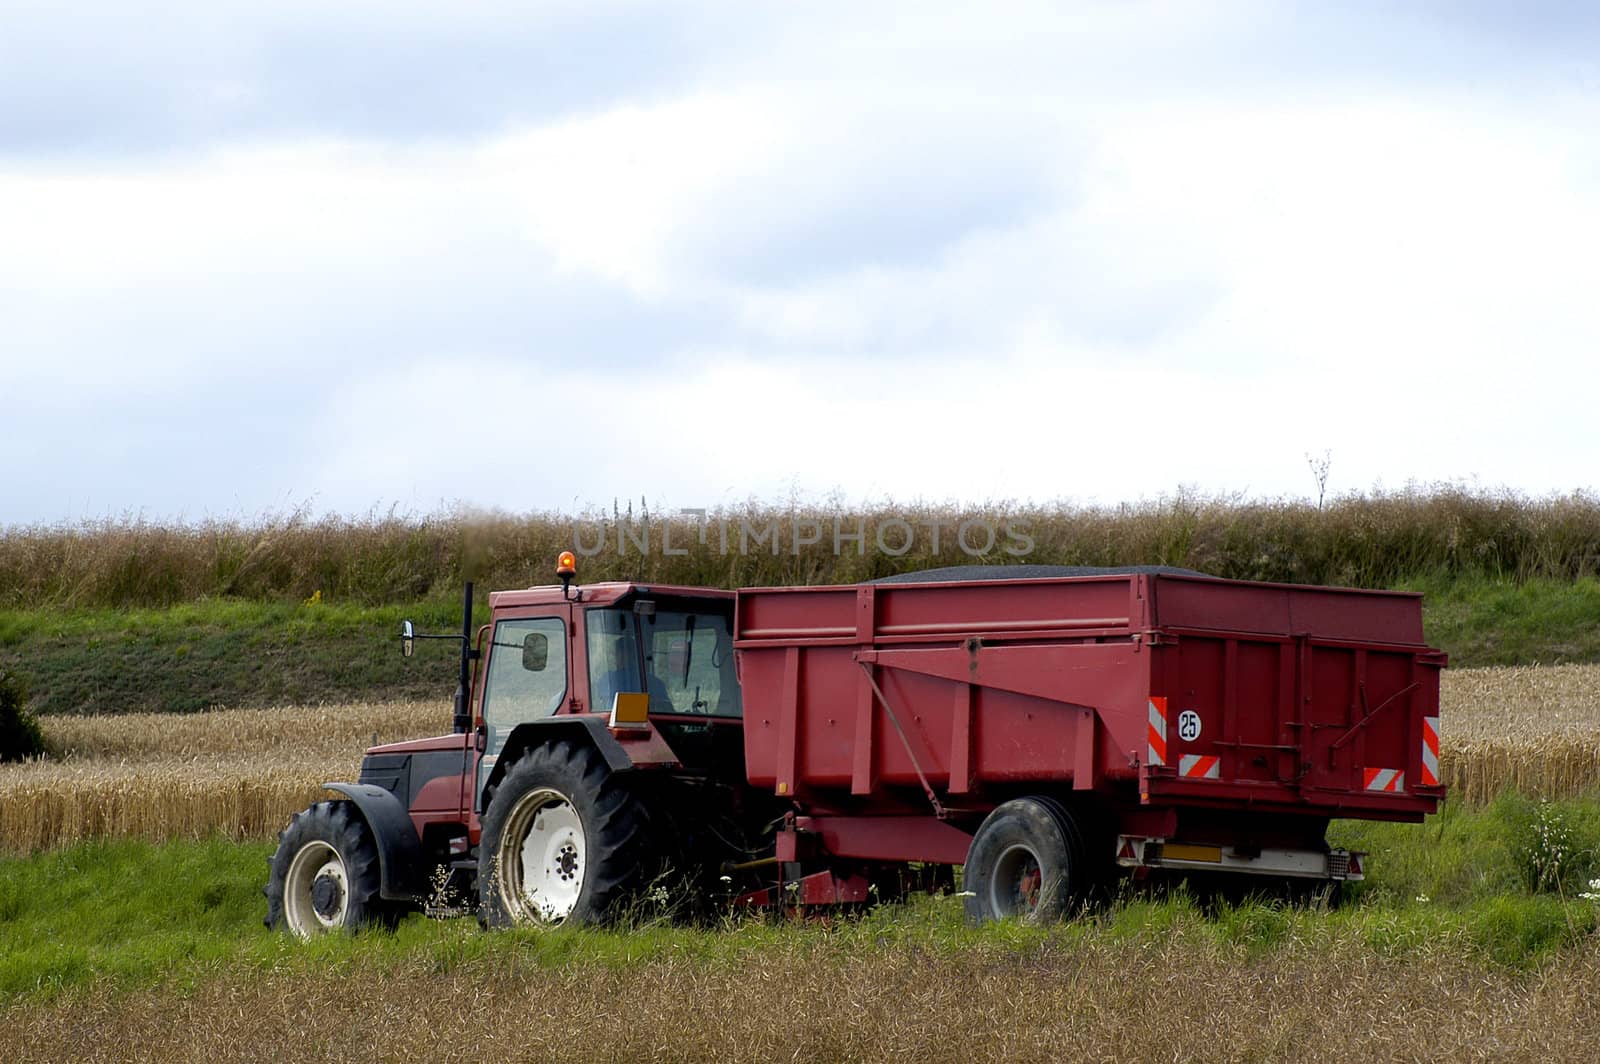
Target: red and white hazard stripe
(1200, 766)
(1158, 730)
(1430, 751)
(1386, 780)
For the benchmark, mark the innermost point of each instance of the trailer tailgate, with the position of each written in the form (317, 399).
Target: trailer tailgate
(1327, 698)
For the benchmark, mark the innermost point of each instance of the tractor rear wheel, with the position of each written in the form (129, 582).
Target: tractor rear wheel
(564, 841)
(325, 873)
(1026, 862)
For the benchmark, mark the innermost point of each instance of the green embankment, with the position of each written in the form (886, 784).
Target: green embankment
(240, 653)
(1481, 621)
(229, 653)
(125, 914)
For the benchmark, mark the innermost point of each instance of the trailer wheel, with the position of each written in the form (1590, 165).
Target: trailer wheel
(1026, 862)
(563, 841)
(324, 876)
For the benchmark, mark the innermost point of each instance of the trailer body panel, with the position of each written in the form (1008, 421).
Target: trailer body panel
(1160, 689)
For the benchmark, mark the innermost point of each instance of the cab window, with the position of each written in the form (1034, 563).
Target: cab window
(613, 656)
(682, 659)
(527, 676)
(689, 662)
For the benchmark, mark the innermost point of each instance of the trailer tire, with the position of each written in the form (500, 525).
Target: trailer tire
(564, 841)
(1026, 862)
(324, 875)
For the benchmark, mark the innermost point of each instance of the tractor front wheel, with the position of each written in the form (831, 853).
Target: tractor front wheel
(563, 841)
(324, 874)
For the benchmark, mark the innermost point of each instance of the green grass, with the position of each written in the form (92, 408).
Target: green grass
(130, 914)
(1501, 622)
(227, 652)
(1477, 855)
(125, 911)
(243, 653)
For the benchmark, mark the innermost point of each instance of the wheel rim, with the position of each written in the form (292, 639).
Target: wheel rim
(1017, 887)
(542, 859)
(316, 891)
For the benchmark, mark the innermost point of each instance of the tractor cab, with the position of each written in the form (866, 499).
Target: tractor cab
(587, 719)
(649, 666)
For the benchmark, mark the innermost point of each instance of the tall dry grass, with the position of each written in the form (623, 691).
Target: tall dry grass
(243, 772)
(1165, 997)
(1371, 540)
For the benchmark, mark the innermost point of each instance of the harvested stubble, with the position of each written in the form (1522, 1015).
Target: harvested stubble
(1534, 729)
(1089, 997)
(160, 776)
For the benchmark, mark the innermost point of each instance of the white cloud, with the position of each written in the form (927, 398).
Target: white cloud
(1026, 423)
(1073, 253)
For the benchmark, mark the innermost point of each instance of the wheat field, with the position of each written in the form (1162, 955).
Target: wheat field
(243, 772)
(166, 776)
(1531, 728)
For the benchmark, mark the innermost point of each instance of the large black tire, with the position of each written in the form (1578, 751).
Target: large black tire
(1026, 862)
(564, 841)
(325, 876)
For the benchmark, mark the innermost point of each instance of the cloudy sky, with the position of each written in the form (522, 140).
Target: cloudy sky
(540, 256)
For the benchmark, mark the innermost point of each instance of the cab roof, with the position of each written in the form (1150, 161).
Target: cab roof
(603, 594)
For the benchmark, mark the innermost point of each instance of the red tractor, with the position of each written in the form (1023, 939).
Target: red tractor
(788, 747)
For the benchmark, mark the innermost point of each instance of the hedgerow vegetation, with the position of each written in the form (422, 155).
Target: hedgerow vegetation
(1374, 540)
(130, 616)
(20, 737)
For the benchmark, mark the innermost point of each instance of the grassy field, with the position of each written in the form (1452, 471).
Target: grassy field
(125, 949)
(1167, 997)
(223, 653)
(1470, 938)
(1483, 621)
(1328, 998)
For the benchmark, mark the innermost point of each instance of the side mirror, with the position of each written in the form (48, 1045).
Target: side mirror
(408, 639)
(535, 651)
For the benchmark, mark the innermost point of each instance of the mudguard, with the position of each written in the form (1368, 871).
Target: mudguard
(581, 728)
(399, 848)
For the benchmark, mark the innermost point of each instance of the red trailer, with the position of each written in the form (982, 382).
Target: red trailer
(814, 745)
(1159, 719)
